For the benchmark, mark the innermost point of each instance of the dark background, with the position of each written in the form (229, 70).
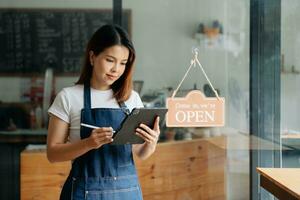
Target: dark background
(32, 40)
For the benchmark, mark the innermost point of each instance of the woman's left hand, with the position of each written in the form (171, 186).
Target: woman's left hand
(150, 136)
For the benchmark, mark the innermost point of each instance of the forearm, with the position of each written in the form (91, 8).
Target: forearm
(144, 151)
(67, 151)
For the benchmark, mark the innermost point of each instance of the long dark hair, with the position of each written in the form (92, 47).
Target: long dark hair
(105, 37)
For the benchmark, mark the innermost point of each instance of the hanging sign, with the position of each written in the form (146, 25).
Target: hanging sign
(195, 110)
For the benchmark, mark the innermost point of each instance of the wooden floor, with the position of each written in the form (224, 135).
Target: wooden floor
(179, 170)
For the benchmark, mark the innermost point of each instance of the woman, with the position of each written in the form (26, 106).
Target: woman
(101, 97)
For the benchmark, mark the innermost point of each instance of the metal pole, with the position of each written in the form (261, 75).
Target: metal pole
(117, 12)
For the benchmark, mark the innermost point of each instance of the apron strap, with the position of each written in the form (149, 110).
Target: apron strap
(124, 107)
(87, 96)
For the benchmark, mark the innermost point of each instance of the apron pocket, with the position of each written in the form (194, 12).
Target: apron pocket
(132, 193)
(113, 188)
(77, 189)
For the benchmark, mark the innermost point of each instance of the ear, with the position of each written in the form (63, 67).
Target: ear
(92, 55)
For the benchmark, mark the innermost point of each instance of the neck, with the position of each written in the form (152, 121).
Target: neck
(99, 86)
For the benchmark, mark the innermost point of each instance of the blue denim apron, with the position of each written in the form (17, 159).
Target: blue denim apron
(107, 173)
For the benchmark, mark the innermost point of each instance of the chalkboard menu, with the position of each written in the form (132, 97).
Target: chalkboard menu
(32, 40)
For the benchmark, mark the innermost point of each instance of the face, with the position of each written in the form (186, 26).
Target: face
(108, 66)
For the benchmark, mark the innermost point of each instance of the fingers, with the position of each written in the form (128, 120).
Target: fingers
(104, 140)
(101, 136)
(155, 131)
(146, 128)
(97, 140)
(148, 137)
(103, 129)
(102, 133)
(156, 124)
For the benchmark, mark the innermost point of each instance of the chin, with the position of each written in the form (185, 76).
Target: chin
(109, 83)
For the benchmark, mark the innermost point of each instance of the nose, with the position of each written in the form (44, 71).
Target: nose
(115, 67)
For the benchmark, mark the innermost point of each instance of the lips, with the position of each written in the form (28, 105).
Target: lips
(111, 76)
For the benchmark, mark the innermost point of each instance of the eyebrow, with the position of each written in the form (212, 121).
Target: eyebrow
(115, 58)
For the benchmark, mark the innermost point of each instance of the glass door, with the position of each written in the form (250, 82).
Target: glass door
(290, 79)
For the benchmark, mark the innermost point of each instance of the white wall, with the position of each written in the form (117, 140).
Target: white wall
(290, 48)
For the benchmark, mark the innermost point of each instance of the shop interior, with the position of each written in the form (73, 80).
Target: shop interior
(248, 49)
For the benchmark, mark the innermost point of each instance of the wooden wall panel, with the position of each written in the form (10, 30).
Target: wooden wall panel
(39, 178)
(184, 170)
(181, 170)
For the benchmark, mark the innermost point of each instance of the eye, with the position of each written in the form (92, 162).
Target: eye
(123, 63)
(109, 60)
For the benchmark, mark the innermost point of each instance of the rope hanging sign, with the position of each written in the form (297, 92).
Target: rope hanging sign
(195, 110)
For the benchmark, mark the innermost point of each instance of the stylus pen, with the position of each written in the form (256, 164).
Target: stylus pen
(91, 126)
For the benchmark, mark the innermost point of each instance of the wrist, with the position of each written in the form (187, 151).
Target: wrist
(86, 144)
(150, 145)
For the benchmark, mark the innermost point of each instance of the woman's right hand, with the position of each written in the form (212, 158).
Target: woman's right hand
(99, 137)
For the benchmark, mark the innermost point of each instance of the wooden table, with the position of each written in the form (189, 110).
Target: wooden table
(283, 183)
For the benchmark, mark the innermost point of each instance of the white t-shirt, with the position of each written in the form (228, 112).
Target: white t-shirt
(69, 102)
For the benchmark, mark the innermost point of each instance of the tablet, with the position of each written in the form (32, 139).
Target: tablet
(126, 134)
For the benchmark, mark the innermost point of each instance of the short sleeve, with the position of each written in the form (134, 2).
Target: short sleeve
(61, 106)
(138, 101)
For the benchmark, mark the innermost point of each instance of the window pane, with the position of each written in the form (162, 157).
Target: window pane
(290, 70)
(164, 43)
